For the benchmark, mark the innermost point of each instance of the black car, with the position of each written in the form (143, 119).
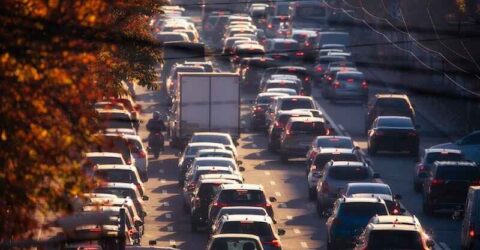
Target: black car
(301, 72)
(202, 196)
(262, 102)
(388, 104)
(447, 185)
(393, 133)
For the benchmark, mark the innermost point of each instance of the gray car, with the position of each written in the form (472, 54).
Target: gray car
(335, 177)
(348, 85)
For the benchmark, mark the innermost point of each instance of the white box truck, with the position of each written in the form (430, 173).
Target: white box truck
(205, 102)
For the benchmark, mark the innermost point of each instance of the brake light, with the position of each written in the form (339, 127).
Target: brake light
(275, 243)
(307, 78)
(219, 204)
(302, 92)
(277, 124)
(299, 53)
(129, 162)
(324, 187)
(287, 132)
(421, 167)
(191, 186)
(412, 134)
(364, 85)
(437, 182)
(307, 44)
(329, 78)
(95, 230)
(336, 84)
(270, 26)
(471, 232)
(258, 109)
(139, 186)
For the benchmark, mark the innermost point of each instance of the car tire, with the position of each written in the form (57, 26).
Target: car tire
(312, 193)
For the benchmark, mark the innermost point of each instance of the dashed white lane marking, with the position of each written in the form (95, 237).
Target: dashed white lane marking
(297, 231)
(164, 191)
(267, 172)
(173, 243)
(168, 216)
(278, 194)
(273, 183)
(340, 126)
(254, 145)
(166, 204)
(444, 246)
(170, 228)
(282, 205)
(257, 154)
(243, 122)
(289, 217)
(161, 171)
(163, 181)
(304, 244)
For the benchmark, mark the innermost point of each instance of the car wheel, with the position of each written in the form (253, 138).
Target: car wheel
(312, 194)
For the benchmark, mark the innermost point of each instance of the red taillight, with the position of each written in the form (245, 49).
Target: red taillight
(95, 230)
(219, 204)
(139, 186)
(270, 26)
(318, 69)
(364, 85)
(191, 186)
(437, 182)
(324, 187)
(277, 125)
(413, 134)
(129, 162)
(329, 78)
(299, 53)
(287, 132)
(275, 243)
(142, 154)
(421, 167)
(336, 84)
(307, 44)
(302, 92)
(471, 231)
(258, 109)
(307, 78)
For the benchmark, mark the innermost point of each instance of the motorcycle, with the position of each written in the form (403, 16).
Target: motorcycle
(156, 143)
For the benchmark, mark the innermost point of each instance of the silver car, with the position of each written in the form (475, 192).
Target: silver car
(335, 177)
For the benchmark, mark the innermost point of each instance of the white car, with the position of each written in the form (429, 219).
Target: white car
(222, 138)
(120, 173)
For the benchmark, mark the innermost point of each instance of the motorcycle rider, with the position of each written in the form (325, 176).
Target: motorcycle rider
(156, 125)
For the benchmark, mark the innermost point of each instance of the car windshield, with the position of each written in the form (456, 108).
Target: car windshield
(116, 175)
(334, 142)
(395, 240)
(322, 159)
(242, 197)
(317, 128)
(458, 173)
(265, 100)
(260, 229)
(234, 244)
(395, 122)
(362, 209)
(297, 104)
(211, 138)
(349, 173)
(440, 156)
(366, 189)
(104, 160)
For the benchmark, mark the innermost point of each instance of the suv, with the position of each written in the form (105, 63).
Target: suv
(301, 72)
(348, 85)
(394, 232)
(298, 134)
(388, 104)
(430, 156)
(289, 103)
(240, 195)
(276, 127)
(201, 198)
(350, 216)
(447, 183)
(335, 177)
(316, 163)
(261, 226)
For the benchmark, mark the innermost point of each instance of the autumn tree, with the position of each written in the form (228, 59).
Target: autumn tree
(57, 57)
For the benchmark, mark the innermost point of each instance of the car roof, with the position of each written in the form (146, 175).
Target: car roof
(295, 97)
(113, 111)
(115, 166)
(220, 176)
(242, 186)
(247, 217)
(286, 80)
(395, 219)
(306, 119)
(303, 31)
(333, 136)
(211, 133)
(242, 207)
(399, 227)
(250, 46)
(215, 150)
(271, 94)
(352, 72)
(119, 185)
(242, 236)
(443, 150)
(104, 154)
(348, 164)
(294, 112)
(283, 40)
(393, 117)
(214, 158)
(368, 184)
(361, 199)
(201, 144)
(213, 168)
(384, 95)
(216, 181)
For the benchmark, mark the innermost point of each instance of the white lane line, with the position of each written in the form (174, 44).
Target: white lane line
(254, 145)
(161, 171)
(297, 231)
(164, 191)
(340, 126)
(170, 228)
(278, 194)
(444, 246)
(172, 243)
(257, 154)
(273, 183)
(304, 244)
(282, 205)
(168, 216)
(243, 122)
(267, 172)
(163, 181)
(289, 217)
(166, 204)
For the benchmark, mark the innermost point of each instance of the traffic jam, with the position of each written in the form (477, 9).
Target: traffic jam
(266, 134)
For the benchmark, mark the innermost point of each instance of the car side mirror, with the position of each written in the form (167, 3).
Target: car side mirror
(239, 162)
(376, 175)
(272, 199)
(145, 198)
(138, 223)
(242, 169)
(397, 197)
(281, 232)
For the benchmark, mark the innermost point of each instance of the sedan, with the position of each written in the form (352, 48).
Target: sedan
(393, 133)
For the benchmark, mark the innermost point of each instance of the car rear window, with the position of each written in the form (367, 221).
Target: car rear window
(457, 173)
(432, 157)
(242, 197)
(120, 192)
(297, 104)
(395, 122)
(369, 190)
(290, 85)
(241, 211)
(260, 229)
(211, 138)
(317, 128)
(350, 78)
(392, 103)
(322, 159)
(334, 143)
(116, 175)
(348, 173)
(210, 171)
(395, 239)
(367, 209)
(234, 244)
(106, 160)
(265, 100)
(219, 163)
